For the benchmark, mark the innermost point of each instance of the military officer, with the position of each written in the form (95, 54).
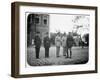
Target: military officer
(58, 44)
(46, 45)
(37, 43)
(64, 45)
(69, 43)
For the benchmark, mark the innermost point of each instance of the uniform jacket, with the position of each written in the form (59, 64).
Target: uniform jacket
(69, 41)
(58, 41)
(64, 38)
(37, 41)
(46, 42)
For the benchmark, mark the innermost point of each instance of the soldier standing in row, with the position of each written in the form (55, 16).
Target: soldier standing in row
(37, 42)
(69, 43)
(58, 44)
(64, 45)
(46, 45)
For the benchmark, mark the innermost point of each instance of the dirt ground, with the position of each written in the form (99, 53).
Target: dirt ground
(79, 56)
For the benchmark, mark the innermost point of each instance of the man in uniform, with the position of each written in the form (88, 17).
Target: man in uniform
(46, 45)
(64, 45)
(37, 43)
(69, 43)
(58, 44)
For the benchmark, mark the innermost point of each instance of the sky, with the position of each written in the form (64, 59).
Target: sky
(61, 23)
(64, 23)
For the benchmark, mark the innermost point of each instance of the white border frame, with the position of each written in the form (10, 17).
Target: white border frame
(52, 69)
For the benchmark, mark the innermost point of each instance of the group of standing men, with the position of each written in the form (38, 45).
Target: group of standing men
(66, 41)
(38, 42)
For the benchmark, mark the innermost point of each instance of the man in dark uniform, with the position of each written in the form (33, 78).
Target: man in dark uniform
(69, 43)
(46, 45)
(37, 42)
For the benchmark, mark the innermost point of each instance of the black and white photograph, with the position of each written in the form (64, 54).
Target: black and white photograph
(57, 39)
(52, 39)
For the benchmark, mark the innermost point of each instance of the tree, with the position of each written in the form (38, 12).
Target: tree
(81, 23)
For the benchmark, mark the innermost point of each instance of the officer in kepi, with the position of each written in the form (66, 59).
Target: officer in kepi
(64, 45)
(46, 42)
(69, 43)
(37, 43)
(58, 44)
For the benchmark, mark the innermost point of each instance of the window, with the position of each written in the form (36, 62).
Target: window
(45, 21)
(37, 20)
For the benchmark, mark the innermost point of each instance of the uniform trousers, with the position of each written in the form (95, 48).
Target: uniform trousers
(37, 49)
(57, 51)
(46, 52)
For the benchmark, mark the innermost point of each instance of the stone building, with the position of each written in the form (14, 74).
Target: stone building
(36, 22)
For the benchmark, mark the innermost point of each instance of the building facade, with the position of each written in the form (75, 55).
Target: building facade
(37, 23)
